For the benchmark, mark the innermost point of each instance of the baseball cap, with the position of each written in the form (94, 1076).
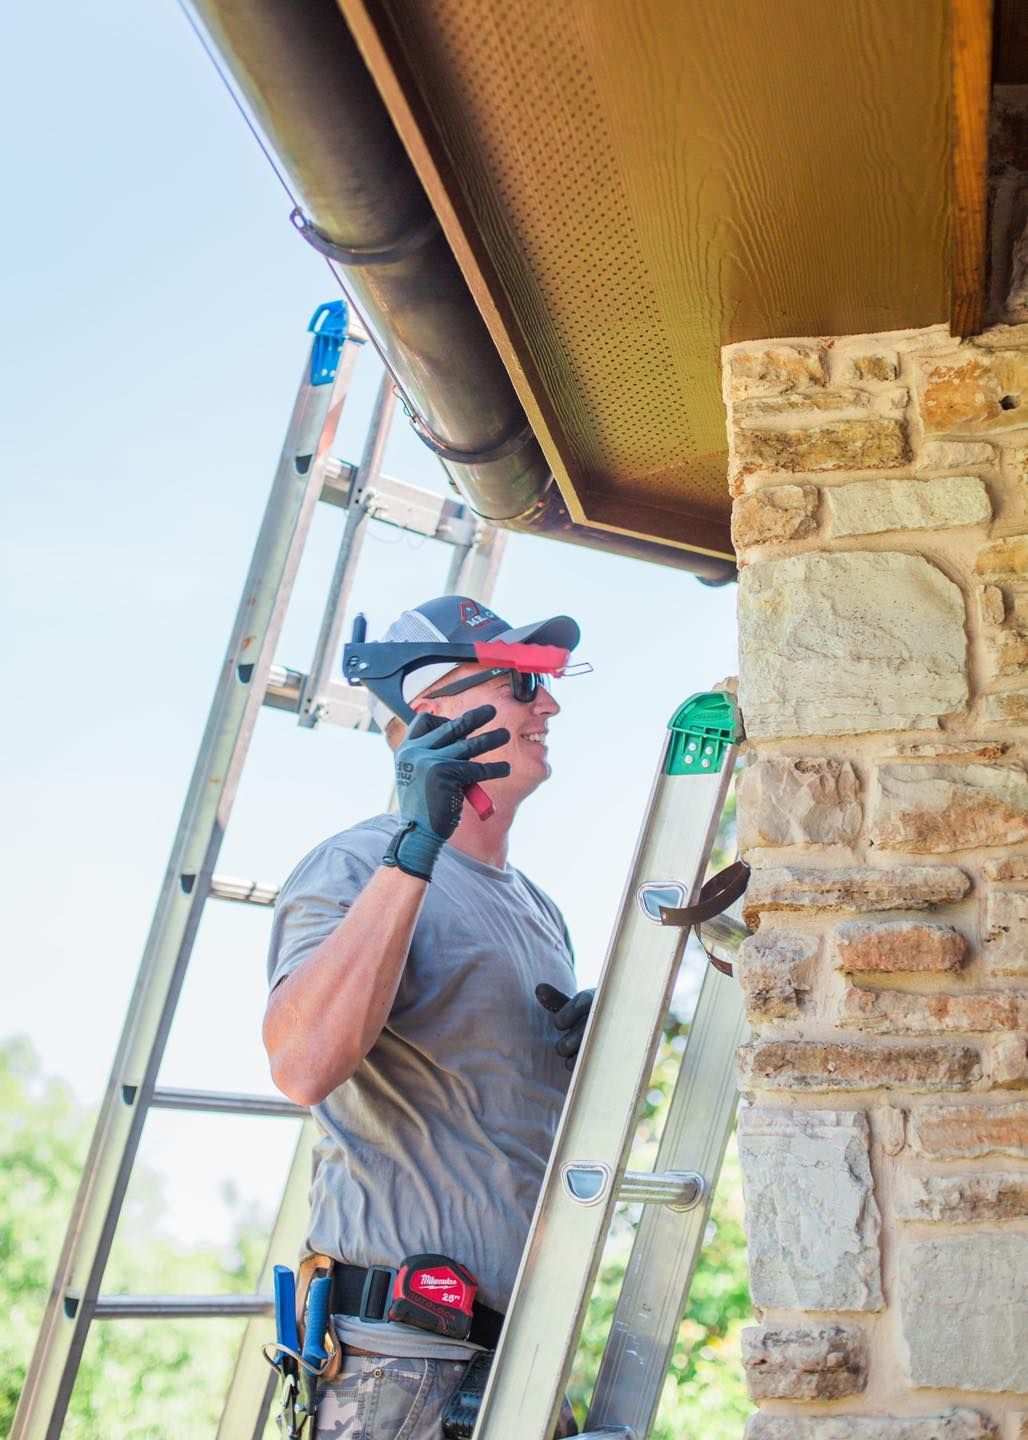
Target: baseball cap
(457, 619)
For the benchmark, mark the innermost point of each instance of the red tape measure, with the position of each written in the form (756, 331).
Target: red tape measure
(434, 1293)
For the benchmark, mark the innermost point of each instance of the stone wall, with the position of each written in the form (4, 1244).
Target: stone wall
(881, 523)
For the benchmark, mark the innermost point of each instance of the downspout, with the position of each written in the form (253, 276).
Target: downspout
(300, 72)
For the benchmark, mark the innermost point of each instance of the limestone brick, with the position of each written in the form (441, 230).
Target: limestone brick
(1005, 559)
(973, 391)
(960, 1299)
(878, 442)
(1005, 707)
(848, 643)
(1008, 1062)
(961, 1199)
(869, 507)
(852, 887)
(1005, 931)
(753, 411)
(803, 1362)
(897, 946)
(775, 370)
(874, 367)
(775, 970)
(1008, 652)
(939, 808)
(991, 605)
(955, 454)
(836, 1065)
(798, 802)
(812, 1218)
(969, 1132)
(1006, 867)
(899, 1012)
(951, 1425)
(774, 514)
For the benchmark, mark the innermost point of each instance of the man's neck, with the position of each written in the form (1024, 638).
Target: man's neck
(485, 840)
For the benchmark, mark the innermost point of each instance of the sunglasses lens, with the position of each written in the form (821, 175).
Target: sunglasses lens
(524, 687)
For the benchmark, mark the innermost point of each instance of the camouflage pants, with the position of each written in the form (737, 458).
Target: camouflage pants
(380, 1398)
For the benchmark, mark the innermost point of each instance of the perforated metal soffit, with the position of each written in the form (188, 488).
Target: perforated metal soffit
(642, 183)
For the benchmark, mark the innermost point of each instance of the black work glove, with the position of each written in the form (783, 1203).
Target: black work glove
(569, 1015)
(434, 766)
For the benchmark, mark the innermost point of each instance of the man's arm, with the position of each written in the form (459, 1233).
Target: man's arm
(324, 1017)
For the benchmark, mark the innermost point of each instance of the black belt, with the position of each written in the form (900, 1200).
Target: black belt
(366, 1293)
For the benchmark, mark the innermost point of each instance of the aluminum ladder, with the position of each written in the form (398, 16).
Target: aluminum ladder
(249, 678)
(586, 1174)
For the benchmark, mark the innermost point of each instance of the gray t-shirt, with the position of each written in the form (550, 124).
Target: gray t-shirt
(439, 1140)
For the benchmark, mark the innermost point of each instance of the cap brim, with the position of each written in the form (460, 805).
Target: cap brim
(560, 630)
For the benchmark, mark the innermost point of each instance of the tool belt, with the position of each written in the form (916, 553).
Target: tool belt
(431, 1292)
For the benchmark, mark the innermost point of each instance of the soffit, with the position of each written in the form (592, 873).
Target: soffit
(630, 186)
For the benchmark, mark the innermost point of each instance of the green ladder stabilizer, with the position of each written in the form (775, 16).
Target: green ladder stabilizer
(586, 1173)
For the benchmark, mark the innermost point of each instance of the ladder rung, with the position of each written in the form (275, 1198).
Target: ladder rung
(681, 1189)
(394, 502)
(246, 892)
(216, 1102)
(283, 688)
(337, 478)
(176, 1307)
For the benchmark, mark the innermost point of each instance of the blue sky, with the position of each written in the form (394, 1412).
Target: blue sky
(156, 300)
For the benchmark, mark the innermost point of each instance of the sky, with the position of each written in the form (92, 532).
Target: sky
(155, 307)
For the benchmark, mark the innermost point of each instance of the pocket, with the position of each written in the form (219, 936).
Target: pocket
(392, 1398)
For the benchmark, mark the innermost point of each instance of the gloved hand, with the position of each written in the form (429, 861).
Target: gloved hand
(434, 766)
(569, 1015)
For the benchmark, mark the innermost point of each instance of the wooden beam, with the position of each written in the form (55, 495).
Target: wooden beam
(971, 59)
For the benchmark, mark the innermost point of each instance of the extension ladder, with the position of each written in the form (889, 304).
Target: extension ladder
(586, 1174)
(249, 678)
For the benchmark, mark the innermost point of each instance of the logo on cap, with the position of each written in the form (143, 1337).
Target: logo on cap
(472, 614)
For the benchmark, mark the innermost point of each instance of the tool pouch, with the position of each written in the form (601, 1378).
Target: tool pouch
(435, 1293)
(463, 1406)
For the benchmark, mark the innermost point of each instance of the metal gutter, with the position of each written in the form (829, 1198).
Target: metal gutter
(300, 72)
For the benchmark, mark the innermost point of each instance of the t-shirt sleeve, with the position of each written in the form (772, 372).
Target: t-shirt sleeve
(313, 901)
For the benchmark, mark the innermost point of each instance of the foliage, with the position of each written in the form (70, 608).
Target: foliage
(138, 1380)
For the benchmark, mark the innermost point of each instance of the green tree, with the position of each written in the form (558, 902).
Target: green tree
(139, 1380)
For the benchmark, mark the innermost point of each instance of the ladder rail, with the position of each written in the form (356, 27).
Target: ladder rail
(237, 700)
(540, 1336)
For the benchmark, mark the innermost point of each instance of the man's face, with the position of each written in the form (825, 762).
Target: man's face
(528, 723)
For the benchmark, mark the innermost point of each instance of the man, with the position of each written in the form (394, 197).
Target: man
(405, 960)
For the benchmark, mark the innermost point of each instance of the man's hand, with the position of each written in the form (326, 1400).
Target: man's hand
(434, 766)
(570, 1014)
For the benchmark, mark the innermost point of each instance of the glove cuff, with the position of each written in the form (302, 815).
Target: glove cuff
(413, 850)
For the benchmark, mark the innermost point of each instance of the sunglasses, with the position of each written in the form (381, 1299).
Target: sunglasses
(523, 687)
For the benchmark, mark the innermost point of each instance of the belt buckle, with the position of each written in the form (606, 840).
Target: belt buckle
(369, 1281)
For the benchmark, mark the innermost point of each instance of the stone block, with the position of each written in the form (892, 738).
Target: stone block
(878, 442)
(991, 605)
(849, 643)
(968, 1132)
(975, 391)
(949, 749)
(1006, 867)
(776, 971)
(931, 809)
(1005, 931)
(876, 368)
(898, 946)
(891, 1128)
(852, 887)
(1008, 1062)
(774, 514)
(900, 1012)
(951, 1425)
(963, 1312)
(869, 507)
(751, 412)
(1004, 559)
(961, 1199)
(808, 1362)
(784, 801)
(1007, 707)
(778, 369)
(834, 1065)
(1008, 652)
(811, 1218)
(955, 454)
